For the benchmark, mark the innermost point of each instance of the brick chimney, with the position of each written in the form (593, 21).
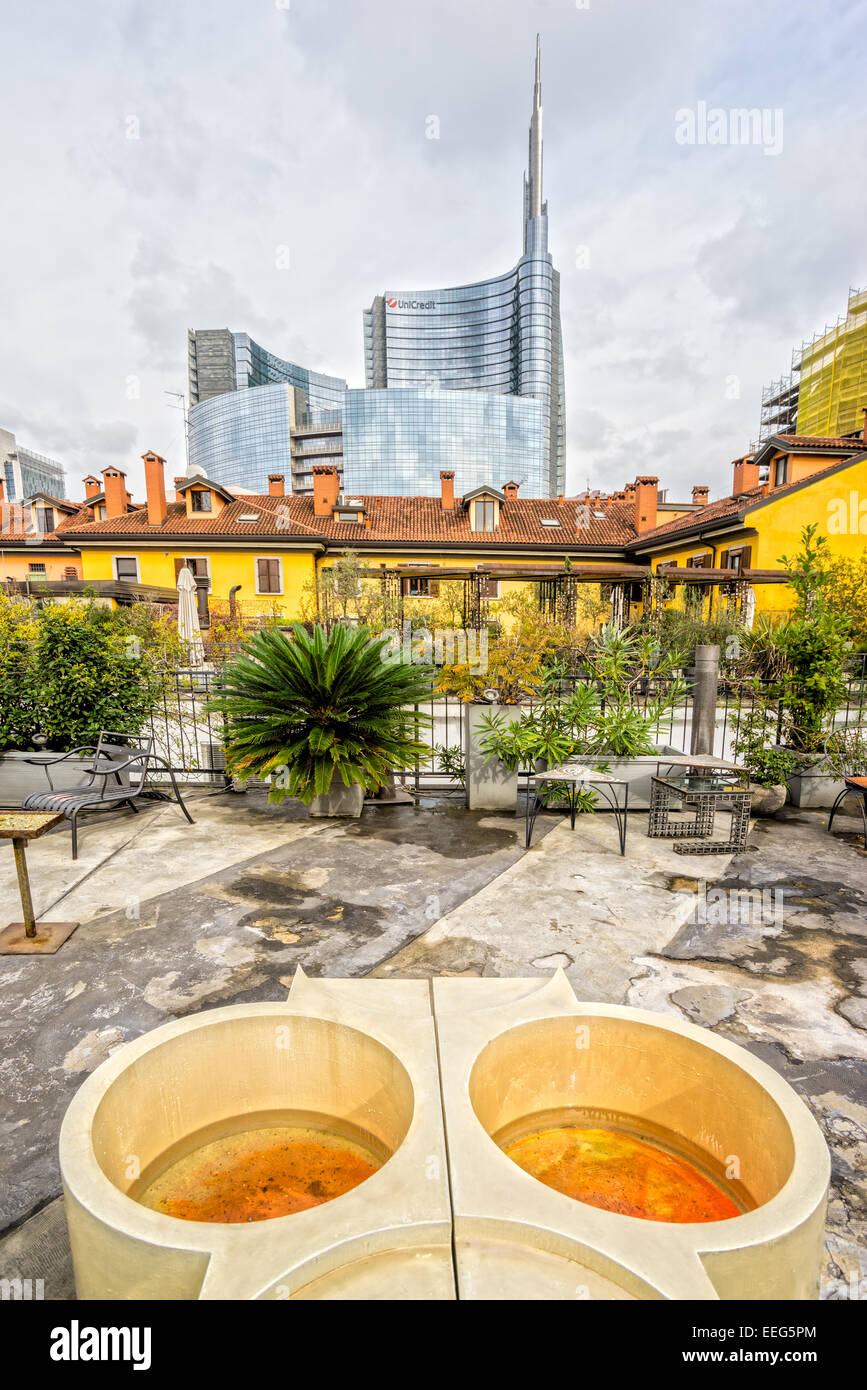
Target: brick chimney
(326, 486)
(91, 486)
(700, 496)
(155, 488)
(179, 482)
(629, 492)
(746, 475)
(447, 490)
(646, 495)
(276, 485)
(114, 484)
(511, 491)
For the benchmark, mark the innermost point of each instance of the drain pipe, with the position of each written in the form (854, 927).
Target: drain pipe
(232, 592)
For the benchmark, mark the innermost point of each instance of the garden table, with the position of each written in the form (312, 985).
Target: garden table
(29, 937)
(573, 777)
(702, 788)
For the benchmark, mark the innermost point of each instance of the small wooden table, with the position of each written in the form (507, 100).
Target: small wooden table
(29, 937)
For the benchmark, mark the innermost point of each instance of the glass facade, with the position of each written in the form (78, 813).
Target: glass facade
(396, 441)
(25, 473)
(255, 414)
(501, 335)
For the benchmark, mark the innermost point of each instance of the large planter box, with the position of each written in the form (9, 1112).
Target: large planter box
(490, 784)
(814, 787)
(338, 801)
(19, 779)
(637, 772)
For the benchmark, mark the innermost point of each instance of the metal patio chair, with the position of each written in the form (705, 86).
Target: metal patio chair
(117, 777)
(846, 755)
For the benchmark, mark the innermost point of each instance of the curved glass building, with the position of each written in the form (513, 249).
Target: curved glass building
(253, 413)
(501, 336)
(396, 441)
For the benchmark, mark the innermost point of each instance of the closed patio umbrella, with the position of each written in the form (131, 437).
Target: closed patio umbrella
(188, 616)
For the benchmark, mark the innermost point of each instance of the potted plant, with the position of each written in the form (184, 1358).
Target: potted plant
(815, 645)
(769, 765)
(321, 715)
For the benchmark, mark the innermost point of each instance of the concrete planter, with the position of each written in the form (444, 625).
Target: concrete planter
(767, 801)
(814, 787)
(637, 772)
(19, 779)
(490, 784)
(338, 801)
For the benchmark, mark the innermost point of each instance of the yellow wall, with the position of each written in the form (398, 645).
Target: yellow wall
(227, 568)
(838, 504)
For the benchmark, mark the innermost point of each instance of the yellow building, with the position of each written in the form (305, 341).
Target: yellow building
(790, 482)
(832, 389)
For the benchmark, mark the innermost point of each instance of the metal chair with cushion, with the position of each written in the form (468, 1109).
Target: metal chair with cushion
(846, 755)
(117, 777)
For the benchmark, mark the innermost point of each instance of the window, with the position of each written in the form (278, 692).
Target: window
(781, 472)
(550, 521)
(420, 586)
(126, 567)
(269, 576)
(736, 559)
(200, 501)
(347, 516)
(45, 519)
(36, 569)
(490, 588)
(485, 514)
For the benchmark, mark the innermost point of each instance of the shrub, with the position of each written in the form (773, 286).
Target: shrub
(310, 706)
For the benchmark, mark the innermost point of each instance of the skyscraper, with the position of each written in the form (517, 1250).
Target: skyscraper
(24, 473)
(253, 414)
(501, 336)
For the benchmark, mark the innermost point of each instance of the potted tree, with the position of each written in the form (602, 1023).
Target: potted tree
(322, 716)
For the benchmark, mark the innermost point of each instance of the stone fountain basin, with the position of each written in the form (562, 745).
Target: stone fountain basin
(511, 1049)
(341, 1049)
(365, 1052)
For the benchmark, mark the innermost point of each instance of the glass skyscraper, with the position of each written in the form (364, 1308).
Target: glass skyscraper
(252, 413)
(501, 336)
(396, 441)
(24, 473)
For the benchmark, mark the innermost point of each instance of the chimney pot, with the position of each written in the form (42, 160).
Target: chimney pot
(326, 486)
(179, 482)
(114, 484)
(511, 491)
(745, 476)
(155, 488)
(646, 501)
(91, 486)
(276, 485)
(447, 489)
(700, 496)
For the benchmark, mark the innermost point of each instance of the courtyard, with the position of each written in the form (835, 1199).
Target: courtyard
(763, 947)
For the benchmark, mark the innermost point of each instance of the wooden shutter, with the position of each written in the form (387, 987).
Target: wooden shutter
(269, 576)
(746, 557)
(724, 560)
(434, 588)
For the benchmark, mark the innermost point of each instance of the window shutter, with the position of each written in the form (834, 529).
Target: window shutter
(746, 556)
(179, 565)
(724, 560)
(434, 588)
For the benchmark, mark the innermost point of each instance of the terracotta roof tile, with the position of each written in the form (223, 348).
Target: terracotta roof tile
(416, 520)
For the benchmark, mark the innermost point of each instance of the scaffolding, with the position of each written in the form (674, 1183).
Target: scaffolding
(826, 388)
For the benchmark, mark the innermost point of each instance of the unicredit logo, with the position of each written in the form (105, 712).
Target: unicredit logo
(411, 303)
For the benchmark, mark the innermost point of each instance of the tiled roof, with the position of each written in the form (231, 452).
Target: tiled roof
(727, 508)
(414, 520)
(817, 441)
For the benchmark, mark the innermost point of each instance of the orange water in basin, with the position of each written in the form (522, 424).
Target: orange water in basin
(256, 1173)
(624, 1166)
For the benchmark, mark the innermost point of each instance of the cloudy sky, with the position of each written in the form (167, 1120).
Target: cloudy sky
(159, 157)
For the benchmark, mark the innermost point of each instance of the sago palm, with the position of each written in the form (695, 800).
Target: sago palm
(311, 707)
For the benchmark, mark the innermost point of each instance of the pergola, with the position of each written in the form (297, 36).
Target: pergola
(629, 585)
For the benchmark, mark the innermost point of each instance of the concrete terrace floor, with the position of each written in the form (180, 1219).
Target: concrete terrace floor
(178, 918)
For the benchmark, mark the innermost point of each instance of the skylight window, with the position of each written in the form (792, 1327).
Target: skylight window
(550, 521)
(249, 516)
(600, 516)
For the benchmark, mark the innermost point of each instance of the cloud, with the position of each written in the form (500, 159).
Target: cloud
(159, 161)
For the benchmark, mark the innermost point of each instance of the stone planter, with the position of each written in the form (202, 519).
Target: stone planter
(338, 801)
(490, 784)
(814, 787)
(767, 801)
(19, 779)
(637, 772)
